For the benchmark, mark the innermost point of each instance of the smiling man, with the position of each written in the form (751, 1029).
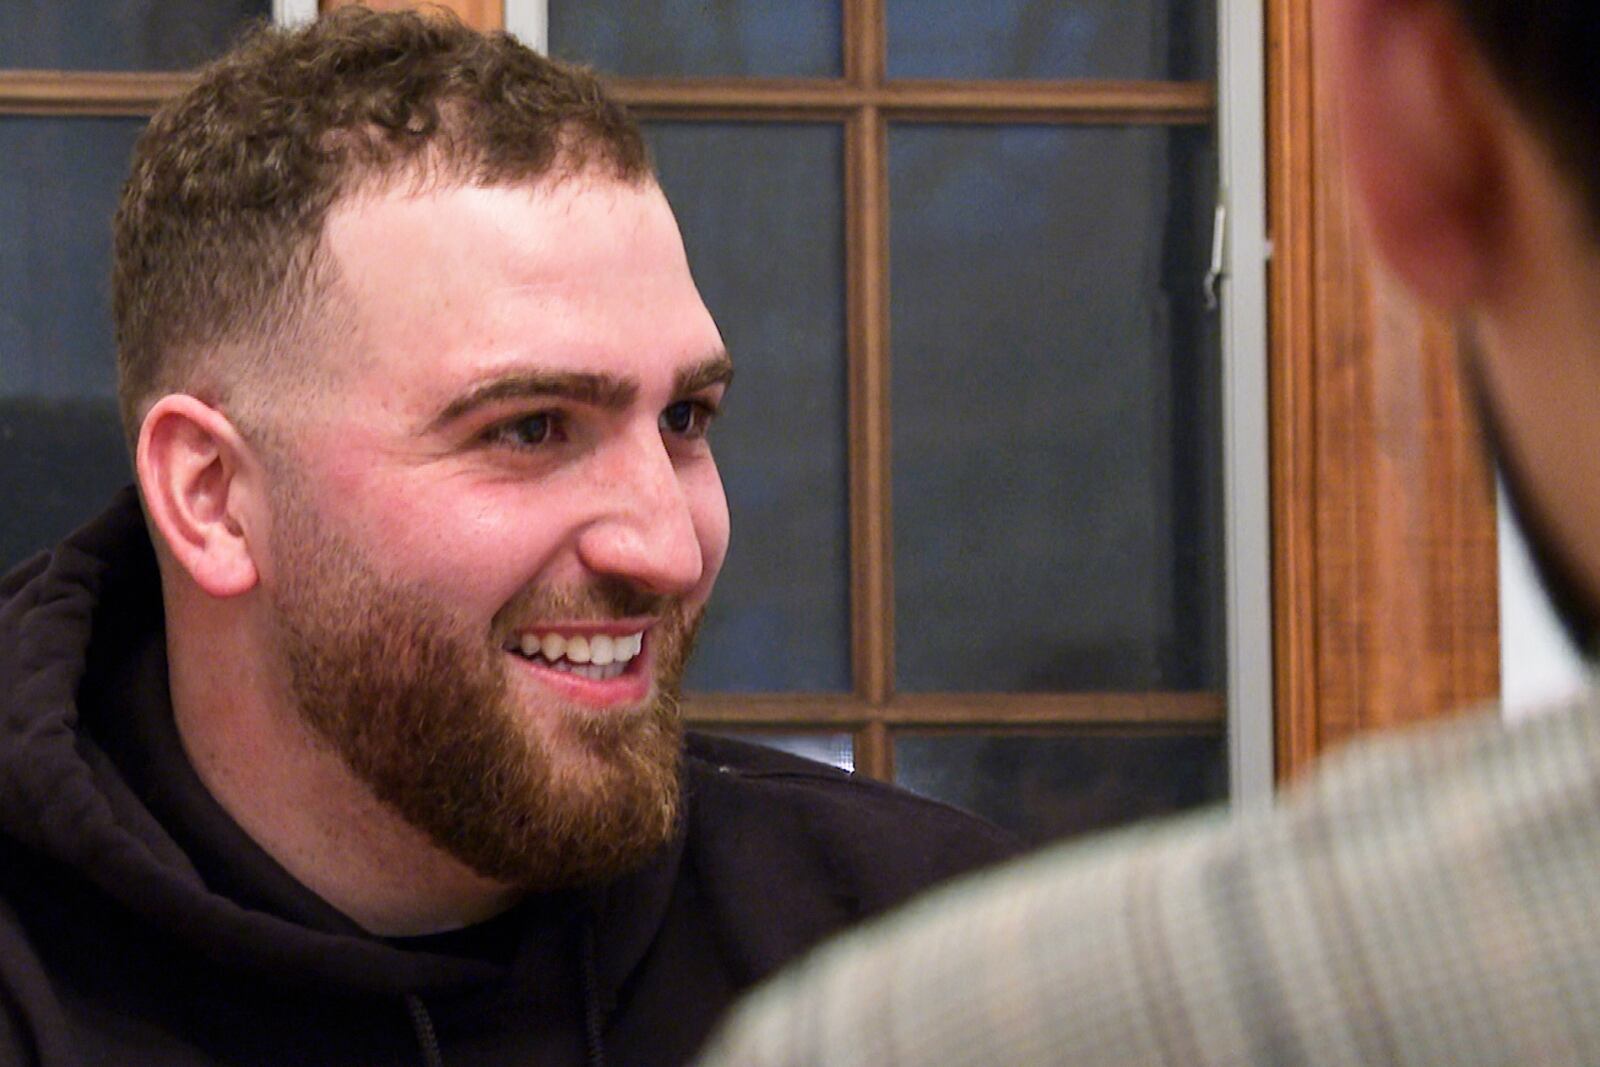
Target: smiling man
(353, 735)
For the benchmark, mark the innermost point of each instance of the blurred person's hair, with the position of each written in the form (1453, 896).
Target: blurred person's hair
(1546, 52)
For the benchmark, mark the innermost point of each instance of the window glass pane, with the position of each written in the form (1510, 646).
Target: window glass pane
(1046, 786)
(1057, 428)
(61, 452)
(60, 461)
(121, 34)
(837, 750)
(1159, 40)
(762, 215)
(700, 39)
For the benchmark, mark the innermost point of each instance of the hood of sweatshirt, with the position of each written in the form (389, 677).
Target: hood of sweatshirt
(81, 641)
(140, 924)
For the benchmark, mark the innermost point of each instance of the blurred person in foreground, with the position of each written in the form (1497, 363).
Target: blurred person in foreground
(1427, 900)
(353, 736)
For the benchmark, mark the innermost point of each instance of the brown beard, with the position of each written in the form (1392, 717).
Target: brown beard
(418, 705)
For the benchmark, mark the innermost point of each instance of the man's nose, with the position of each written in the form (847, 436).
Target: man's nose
(643, 529)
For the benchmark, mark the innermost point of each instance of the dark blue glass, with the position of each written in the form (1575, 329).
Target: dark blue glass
(121, 34)
(1045, 786)
(762, 214)
(59, 180)
(1057, 420)
(60, 462)
(61, 451)
(1158, 40)
(700, 38)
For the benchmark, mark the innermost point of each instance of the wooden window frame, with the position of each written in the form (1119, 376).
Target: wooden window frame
(863, 102)
(866, 101)
(1359, 642)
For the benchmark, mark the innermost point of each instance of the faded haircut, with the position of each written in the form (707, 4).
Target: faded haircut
(1546, 53)
(220, 283)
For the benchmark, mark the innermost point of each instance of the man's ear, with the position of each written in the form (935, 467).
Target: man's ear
(199, 489)
(1422, 138)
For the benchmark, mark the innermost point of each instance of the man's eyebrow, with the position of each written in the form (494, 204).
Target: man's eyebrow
(597, 390)
(714, 370)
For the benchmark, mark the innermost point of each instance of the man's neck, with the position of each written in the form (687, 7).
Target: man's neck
(295, 797)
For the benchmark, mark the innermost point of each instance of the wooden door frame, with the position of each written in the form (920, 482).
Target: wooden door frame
(1385, 573)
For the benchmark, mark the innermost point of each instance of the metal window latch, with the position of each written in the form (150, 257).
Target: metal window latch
(1219, 250)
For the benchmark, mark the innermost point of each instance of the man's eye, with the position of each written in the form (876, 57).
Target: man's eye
(688, 418)
(525, 431)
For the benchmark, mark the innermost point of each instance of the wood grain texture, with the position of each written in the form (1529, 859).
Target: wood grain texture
(1079, 102)
(1292, 396)
(871, 534)
(976, 710)
(764, 100)
(874, 751)
(54, 92)
(866, 45)
(479, 14)
(1385, 574)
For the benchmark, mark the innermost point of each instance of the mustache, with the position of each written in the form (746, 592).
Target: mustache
(605, 598)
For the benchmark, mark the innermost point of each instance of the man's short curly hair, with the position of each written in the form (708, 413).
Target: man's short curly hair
(219, 280)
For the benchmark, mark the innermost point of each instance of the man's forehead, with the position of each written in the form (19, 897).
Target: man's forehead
(440, 207)
(578, 288)
(578, 239)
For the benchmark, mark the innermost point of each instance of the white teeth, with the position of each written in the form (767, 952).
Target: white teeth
(592, 656)
(593, 672)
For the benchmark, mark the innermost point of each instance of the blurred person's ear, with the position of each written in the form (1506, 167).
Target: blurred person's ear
(1423, 140)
